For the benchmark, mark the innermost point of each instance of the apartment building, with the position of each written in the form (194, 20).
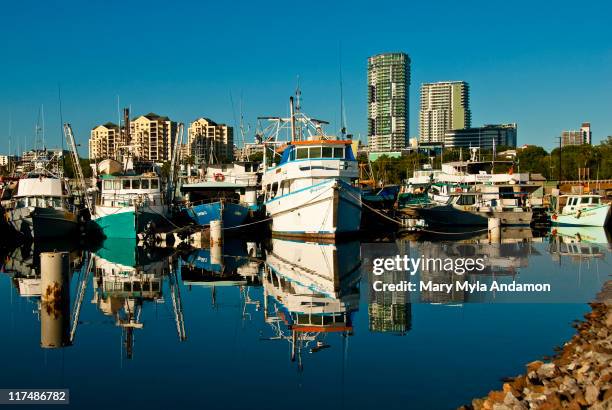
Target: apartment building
(388, 102)
(444, 106)
(206, 137)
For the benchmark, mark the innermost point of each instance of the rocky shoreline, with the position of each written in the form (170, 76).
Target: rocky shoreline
(578, 377)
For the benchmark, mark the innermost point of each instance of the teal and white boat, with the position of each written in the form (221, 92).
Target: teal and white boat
(129, 203)
(582, 210)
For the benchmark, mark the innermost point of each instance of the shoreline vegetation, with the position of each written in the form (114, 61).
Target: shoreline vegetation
(579, 376)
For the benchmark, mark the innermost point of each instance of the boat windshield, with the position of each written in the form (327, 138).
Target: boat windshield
(316, 152)
(130, 183)
(40, 202)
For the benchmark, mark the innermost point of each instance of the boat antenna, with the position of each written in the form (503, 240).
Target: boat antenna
(342, 112)
(292, 117)
(42, 115)
(59, 97)
(298, 107)
(243, 132)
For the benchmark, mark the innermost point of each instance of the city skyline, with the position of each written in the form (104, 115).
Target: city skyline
(514, 72)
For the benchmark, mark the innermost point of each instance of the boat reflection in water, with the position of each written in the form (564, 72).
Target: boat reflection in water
(221, 266)
(310, 291)
(52, 307)
(126, 277)
(579, 242)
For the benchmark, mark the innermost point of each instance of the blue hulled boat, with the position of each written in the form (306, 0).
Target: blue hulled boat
(214, 200)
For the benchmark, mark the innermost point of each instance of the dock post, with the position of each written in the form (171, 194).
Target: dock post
(55, 300)
(216, 242)
(494, 230)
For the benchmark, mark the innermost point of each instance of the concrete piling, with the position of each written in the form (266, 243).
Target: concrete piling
(494, 230)
(55, 300)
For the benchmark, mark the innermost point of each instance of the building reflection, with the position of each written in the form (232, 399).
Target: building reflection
(389, 311)
(311, 290)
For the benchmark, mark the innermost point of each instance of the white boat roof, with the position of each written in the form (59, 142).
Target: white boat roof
(39, 187)
(214, 184)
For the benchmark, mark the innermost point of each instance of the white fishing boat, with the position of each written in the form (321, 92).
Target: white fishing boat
(308, 183)
(42, 208)
(582, 210)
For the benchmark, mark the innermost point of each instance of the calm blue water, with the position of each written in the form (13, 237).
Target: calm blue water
(243, 321)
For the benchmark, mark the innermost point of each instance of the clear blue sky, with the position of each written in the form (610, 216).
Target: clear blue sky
(547, 67)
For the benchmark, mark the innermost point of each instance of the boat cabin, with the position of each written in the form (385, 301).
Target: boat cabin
(305, 163)
(41, 192)
(118, 191)
(577, 202)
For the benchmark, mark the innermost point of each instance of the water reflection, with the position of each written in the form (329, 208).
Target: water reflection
(50, 293)
(310, 290)
(126, 278)
(247, 306)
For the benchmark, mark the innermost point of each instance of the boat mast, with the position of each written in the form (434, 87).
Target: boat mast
(77, 166)
(292, 115)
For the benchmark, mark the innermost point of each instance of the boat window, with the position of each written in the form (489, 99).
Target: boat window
(467, 200)
(274, 189)
(144, 184)
(155, 183)
(328, 152)
(314, 152)
(338, 152)
(302, 153)
(117, 184)
(108, 185)
(292, 155)
(595, 200)
(126, 184)
(57, 203)
(584, 200)
(135, 183)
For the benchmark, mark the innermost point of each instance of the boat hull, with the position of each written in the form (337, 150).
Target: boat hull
(129, 221)
(232, 214)
(449, 215)
(36, 222)
(326, 210)
(598, 216)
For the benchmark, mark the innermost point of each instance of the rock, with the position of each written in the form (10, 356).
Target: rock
(591, 394)
(547, 370)
(497, 396)
(533, 366)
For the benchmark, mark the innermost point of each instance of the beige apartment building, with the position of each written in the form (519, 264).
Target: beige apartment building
(104, 141)
(205, 136)
(152, 137)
